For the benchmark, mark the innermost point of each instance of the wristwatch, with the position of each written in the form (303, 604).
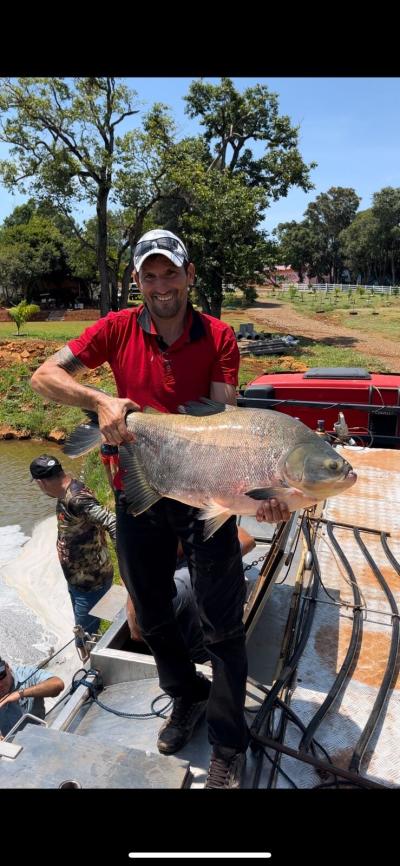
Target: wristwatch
(21, 693)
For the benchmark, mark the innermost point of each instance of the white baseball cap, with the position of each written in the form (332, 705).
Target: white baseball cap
(160, 242)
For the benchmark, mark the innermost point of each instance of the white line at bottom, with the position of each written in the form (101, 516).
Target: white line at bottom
(196, 855)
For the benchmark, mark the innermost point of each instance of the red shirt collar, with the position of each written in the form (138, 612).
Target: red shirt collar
(193, 330)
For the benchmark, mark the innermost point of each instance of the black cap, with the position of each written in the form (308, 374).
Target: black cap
(45, 467)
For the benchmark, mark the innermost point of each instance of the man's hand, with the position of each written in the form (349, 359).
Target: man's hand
(272, 511)
(112, 412)
(9, 699)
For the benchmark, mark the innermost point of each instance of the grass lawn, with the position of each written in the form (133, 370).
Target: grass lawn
(61, 331)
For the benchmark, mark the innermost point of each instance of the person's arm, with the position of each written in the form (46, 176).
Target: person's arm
(90, 508)
(49, 688)
(223, 393)
(54, 379)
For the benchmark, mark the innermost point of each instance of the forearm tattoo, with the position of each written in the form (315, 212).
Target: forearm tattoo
(65, 359)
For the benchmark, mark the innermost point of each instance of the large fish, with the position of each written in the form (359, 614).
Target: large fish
(222, 463)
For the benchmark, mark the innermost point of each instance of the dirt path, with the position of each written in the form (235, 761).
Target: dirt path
(278, 316)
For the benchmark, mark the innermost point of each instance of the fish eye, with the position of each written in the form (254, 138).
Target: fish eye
(332, 464)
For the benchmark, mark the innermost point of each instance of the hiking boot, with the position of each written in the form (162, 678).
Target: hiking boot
(226, 768)
(179, 727)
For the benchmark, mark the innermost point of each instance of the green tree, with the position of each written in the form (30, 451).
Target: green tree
(223, 186)
(361, 246)
(386, 210)
(22, 313)
(296, 246)
(327, 216)
(30, 251)
(64, 145)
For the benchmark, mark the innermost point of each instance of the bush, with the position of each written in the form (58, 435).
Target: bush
(230, 299)
(22, 313)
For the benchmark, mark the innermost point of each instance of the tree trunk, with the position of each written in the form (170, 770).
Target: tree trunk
(112, 277)
(203, 300)
(126, 279)
(101, 210)
(216, 293)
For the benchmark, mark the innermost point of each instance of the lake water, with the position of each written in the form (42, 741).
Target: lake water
(25, 635)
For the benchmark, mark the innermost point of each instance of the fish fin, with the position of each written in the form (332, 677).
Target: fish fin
(139, 494)
(93, 416)
(84, 438)
(151, 411)
(294, 498)
(204, 406)
(214, 517)
(265, 492)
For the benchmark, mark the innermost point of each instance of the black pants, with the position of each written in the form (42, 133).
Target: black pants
(146, 548)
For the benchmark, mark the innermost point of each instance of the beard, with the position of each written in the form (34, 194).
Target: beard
(167, 309)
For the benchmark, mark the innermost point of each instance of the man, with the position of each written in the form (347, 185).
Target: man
(162, 354)
(22, 690)
(81, 539)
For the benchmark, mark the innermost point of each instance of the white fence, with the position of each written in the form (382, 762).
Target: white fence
(342, 287)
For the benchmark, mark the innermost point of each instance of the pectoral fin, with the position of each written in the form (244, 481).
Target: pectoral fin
(83, 439)
(266, 492)
(139, 494)
(214, 517)
(294, 498)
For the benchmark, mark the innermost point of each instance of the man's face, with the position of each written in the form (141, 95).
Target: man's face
(45, 487)
(6, 682)
(164, 286)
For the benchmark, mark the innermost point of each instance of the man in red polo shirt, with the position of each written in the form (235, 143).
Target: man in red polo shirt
(162, 354)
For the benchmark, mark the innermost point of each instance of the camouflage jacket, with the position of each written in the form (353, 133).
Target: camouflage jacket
(81, 544)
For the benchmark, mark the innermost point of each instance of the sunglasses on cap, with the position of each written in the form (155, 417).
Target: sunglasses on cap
(3, 669)
(173, 245)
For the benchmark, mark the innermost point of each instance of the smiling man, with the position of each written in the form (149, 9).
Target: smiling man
(162, 354)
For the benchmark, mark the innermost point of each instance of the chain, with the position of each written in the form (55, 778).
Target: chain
(255, 562)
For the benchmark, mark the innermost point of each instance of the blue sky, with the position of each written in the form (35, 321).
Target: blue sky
(349, 126)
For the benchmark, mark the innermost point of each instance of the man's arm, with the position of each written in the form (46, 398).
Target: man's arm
(49, 688)
(89, 507)
(54, 379)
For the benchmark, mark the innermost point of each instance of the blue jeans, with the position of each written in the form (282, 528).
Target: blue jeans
(82, 601)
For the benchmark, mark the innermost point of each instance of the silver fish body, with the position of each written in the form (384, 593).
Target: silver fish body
(222, 460)
(225, 463)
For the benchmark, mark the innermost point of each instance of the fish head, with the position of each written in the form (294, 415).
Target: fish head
(317, 469)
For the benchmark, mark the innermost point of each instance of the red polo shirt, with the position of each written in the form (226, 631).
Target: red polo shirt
(151, 373)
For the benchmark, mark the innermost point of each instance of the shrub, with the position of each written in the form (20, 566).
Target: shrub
(22, 313)
(230, 299)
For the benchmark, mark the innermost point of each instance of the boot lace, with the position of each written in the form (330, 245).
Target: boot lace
(218, 773)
